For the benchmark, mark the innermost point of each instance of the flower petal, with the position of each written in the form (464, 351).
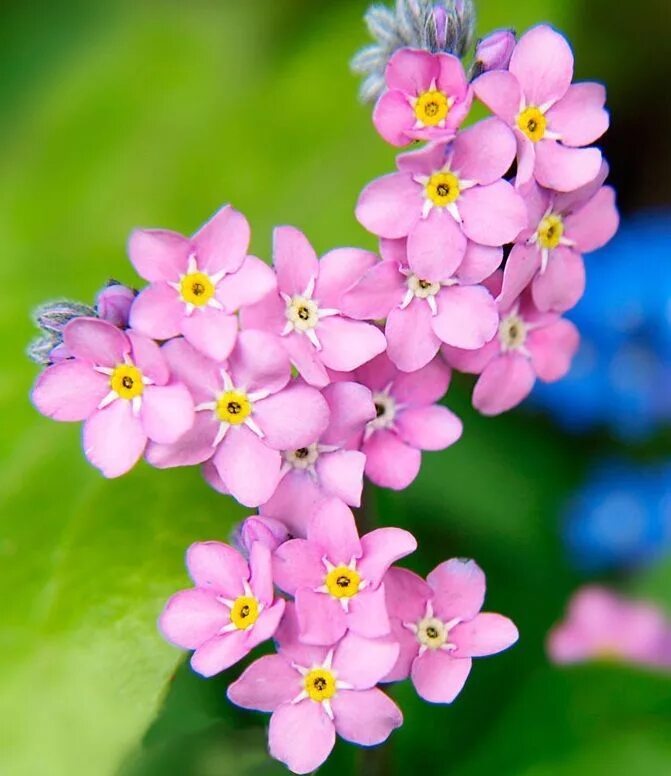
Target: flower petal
(211, 331)
(251, 283)
(294, 259)
(294, 417)
(350, 407)
(158, 254)
(467, 317)
(341, 475)
(298, 564)
(96, 341)
(394, 118)
(436, 247)
(339, 270)
(484, 152)
(543, 64)
(459, 587)
(192, 617)
(595, 223)
(382, 548)
(69, 391)
(222, 243)
(390, 463)
(268, 622)
(218, 567)
(201, 375)
(562, 284)
(485, 634)
(480, 261)
(367, 717)
(492, 215)
(220, 653)
(412, 71)
(378, 291)
(266, 684)
(157, 312)
(348, 344)
(301, 736)
(500, 91)
(333, 528)
(322, 620)
(439, 678)
(294, 501)
(259, 362)
(261, 572)
(504, 383)
(114, 439)
(579, 117)
(552, 349)
(306, 358)
(407, 594)
(390, 206)
(522, 266)
(411, 342)
(167, 412)
(429, 428)
(565, 169)
(425, 386)
(149, 357)
(368, 616)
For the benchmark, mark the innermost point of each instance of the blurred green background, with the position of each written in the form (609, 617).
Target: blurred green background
(117, 114)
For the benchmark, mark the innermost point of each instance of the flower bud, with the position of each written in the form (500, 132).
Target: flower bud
(114, 302)
(266, 530)
(494, 51)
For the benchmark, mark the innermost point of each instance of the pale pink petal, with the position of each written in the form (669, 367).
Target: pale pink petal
(262, 529)
(193, 447)
(96, 341)
(266, 684)
(382, 548)
(166, 412)
(390, 463)
(479, 262)
(220, 653)
(379, 290)
(298, 564)
(211, 331)
(339, 270)
(543, 64)
(149, 358)
(250, 469)
(484, 152)
(467, 317)
(366, 718)
(201, 375)
(367, 614)
(459, 587)
(218, 567)
(504, 383)
(294, 501)
(222, 243)
(408, 645)
(157, 312)
(394, 118)
(251, 283)
(526, 159)
(288, 642)
(485, 634)
(301, 736)
(261, 572)
(492, 215)
(114, 439)
(294, 259)
(579, 117)
(552, 349)
(333, 528)
(436, 247)
(305, 357)
(562, 284)
(565, 169)
(412, 71)
(259, 362)
(268, 315)
(407, 594)
(595, 223)
(347, 344)
(425, 386)
(69, 391)
(451, 78)
(363, 662)
(268, 622)
(191, 617)
(294, 417)
(472, 361)
(500, 91)
(424, 161)
(390, 206)
(439, 678)
(570, 202)
(378, 373)
(350, 407)
(321, 618)
(341, 474)
(429, 428)
(411, 342)
(522, 266)
(158, 254)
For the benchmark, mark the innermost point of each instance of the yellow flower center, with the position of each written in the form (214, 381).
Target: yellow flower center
(343, 582)
(196, 289)
(431, 108)
(320, 684)
(126, 381)
(303, 313)
(533, 123)
(233, 407)
(443, 188)
(432, 632)
(512, 332)
(244, 612)
(550, 231)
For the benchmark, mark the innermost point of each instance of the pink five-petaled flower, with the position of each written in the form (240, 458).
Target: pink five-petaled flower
(119, 384)
(561, 228)
(197, 283)
(325, 468)
(407, 421)
(439, 627)
(445, 194)
(529, 345)
(552, 119)
(306, 311)
(425, 306)
(246, 413)
(228, 612)
(601, 625)
(336, 577)
(427, 97)
(316, 692)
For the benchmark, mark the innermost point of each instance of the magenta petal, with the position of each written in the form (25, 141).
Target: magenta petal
(266, 684)
(348, 344)
(211, 331)
(261, 572)
(429, 428)
(379, 290)
(411, 342)
(294, 417)
(492, 215)
(217, 567)
(579, 117)
(439, 678)
(259, 362)
(484, 152)
(467, 317)
(504, 383)
(565, 169)
(251, 283)
(167, 412)
(339, 270)
(301, 736)
(390, 206)
(222, 243)
(294, 259)
(220, 653)
(366, 718)
(69, 391)
(334, 529)
(436, 247)
(321, 619)
(412, 71)
(368, 616)
(485, 634)
(459, 587)
(191, 617)
(500, 91)
(158, 254)
(394, 118)
(157, 312)
(479, 262)
(249, 468)
(114, 439)
(341, 475)
(522, 266)
(390, 463)
(562, 284)
(552, 349)
(381, 548)
(192, 447)
(425, 386)
(595, 223)
(97, 341)
(350, 407)
(543, 64)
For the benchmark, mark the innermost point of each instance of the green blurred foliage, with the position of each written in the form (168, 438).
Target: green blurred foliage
(125, 113)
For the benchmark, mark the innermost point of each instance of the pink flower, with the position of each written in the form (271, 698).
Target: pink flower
(494, 51)
(336, 578)
(247, 411)
(198, 283)
(425, 305)
(552, 119)
(601, 625)
(113, 304)
(561, 228)
(427, 97)
(440, 628)
(447, 194)
(316, 692)
(529, 345)
(120, 385)
(264, 530)
(407, 421)
(306, 312)
(228, 612)
(325, 468)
